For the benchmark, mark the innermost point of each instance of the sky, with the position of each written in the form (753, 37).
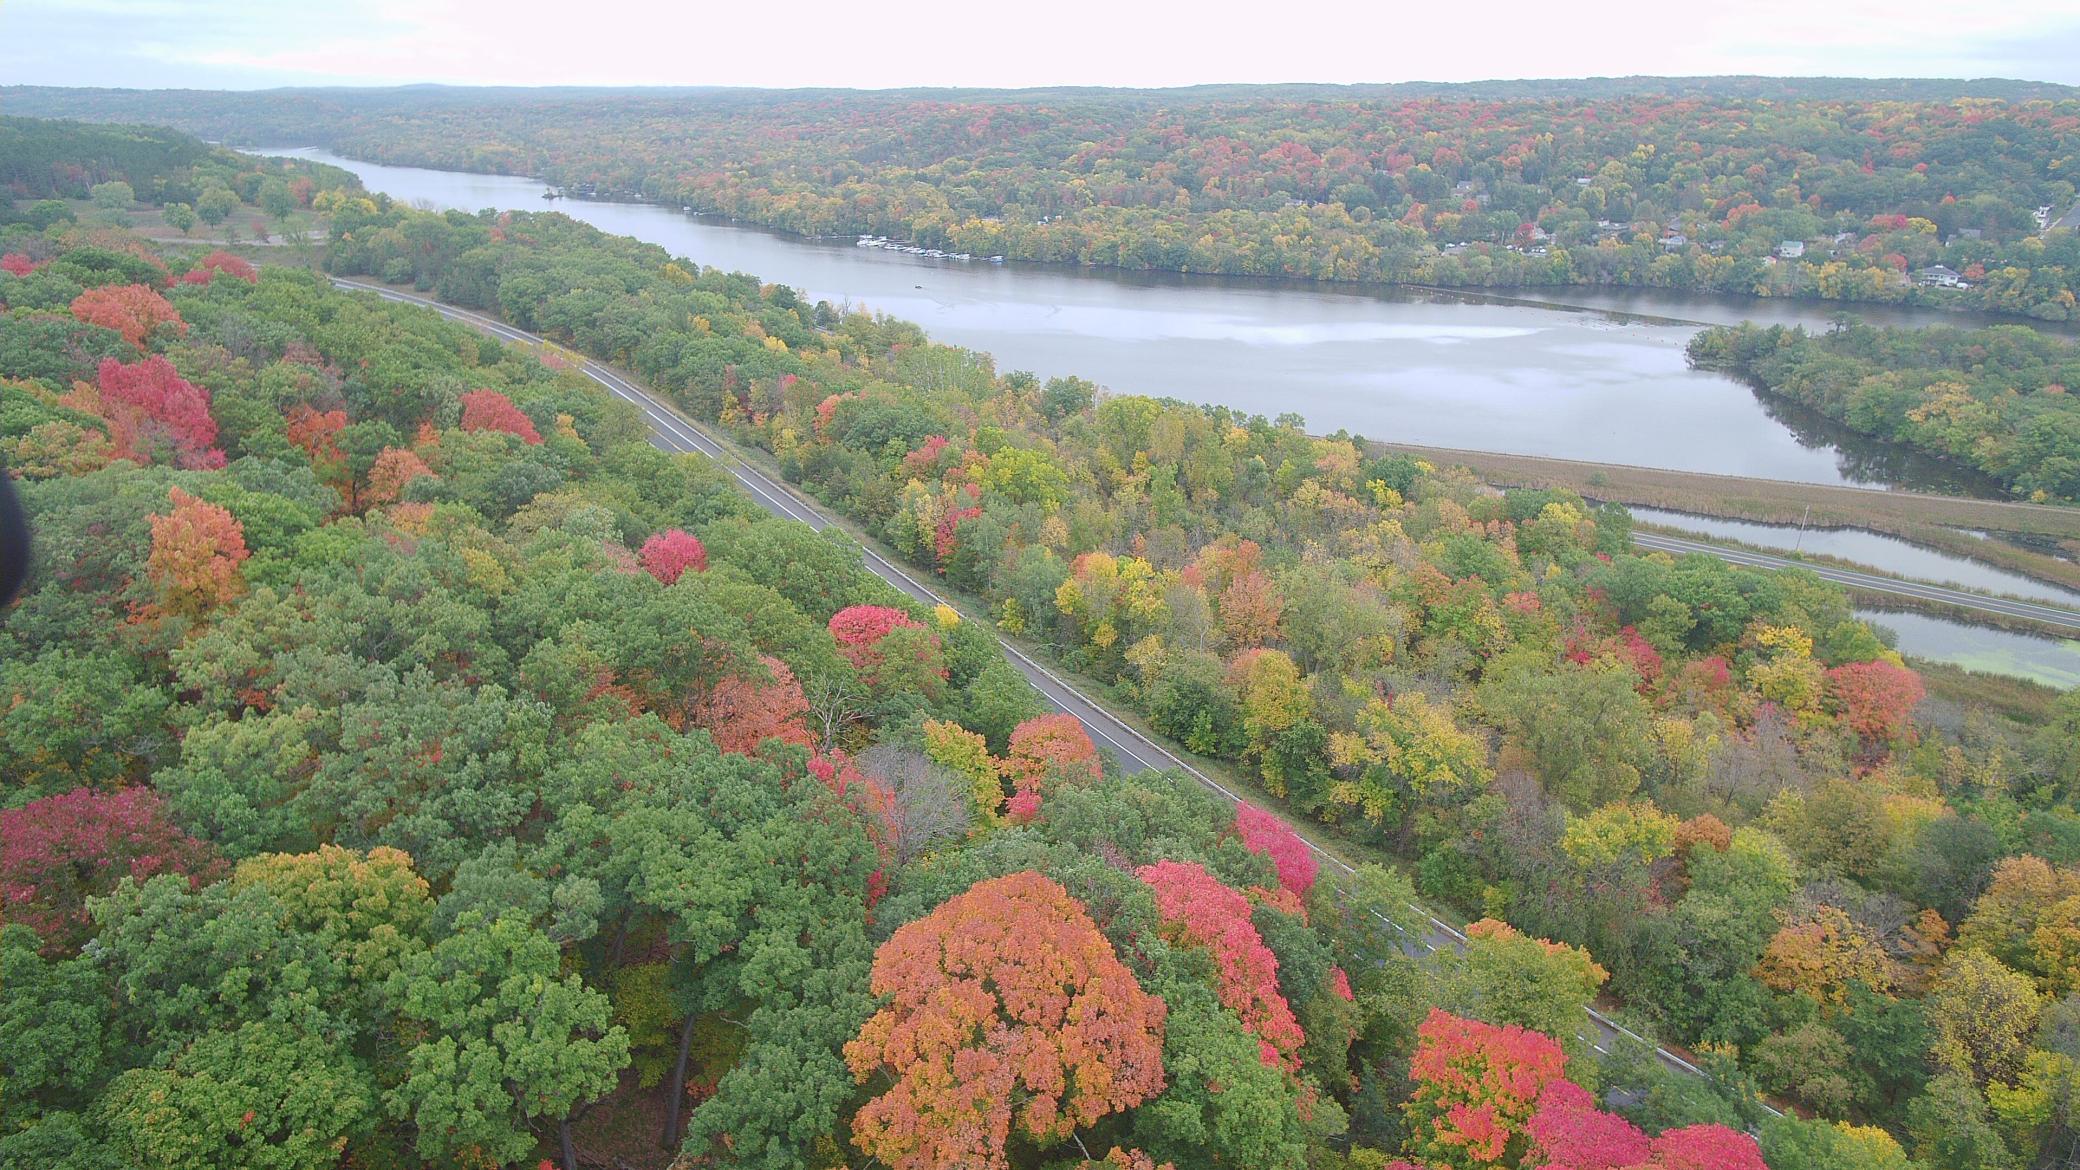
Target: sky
(248, 44)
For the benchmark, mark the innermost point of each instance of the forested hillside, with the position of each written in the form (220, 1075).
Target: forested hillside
(1716, 781)
(408, 764)
(1995, 400)
(1663, 183)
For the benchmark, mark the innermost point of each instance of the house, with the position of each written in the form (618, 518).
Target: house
(1940, 276)
(1970, 234)
(1674, 242)
(1791, 249)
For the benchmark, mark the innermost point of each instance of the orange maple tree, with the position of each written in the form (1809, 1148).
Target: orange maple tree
(1049, 751)
(743, 711)
(1007, 1008)
(130, 309)
(196, 551)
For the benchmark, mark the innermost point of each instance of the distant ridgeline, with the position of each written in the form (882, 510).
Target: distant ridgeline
(1827, 188)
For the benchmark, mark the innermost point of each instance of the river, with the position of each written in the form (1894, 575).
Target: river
(1571, 373)
(1603, 379)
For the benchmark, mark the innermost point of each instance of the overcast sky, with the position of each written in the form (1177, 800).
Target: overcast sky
(259, 43)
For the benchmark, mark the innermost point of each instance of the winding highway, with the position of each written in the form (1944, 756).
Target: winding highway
(2051, 615)
(1136, 752)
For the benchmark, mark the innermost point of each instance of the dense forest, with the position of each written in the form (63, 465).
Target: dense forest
(1994, 400)
(408, 764)
(1837, 190)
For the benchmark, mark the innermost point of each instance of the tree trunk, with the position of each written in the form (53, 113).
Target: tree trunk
(678, 1097)
(570, 1149)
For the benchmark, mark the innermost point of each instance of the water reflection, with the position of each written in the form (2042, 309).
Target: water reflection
(1877, 550)
(2052, 661)
(1606, 383)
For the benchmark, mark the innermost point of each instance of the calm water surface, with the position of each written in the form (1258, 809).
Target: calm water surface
(2052, 661)
(1571, 373)
(1868, 548)
(1602, 378)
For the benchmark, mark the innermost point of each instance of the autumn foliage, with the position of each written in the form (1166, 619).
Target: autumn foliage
(394, 469)
(57, 852)
(1266, 835)
(1203, 912)
(148, 405)
(670, 553)
(1875, 698)
(742, 712)
(196, 551)
(1048, 751)
(1476, 1088)
(130, 309)
(488, 410)
(1005, 1010)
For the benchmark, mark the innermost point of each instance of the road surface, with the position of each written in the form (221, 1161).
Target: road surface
(2051, 615)
(1136, 752)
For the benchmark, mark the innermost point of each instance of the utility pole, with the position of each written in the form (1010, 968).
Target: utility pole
(1801, 541)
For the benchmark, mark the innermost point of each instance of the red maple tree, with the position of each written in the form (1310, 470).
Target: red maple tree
(1200, 911)
(148, 405)
(488, 410)
(1875, 699)
(57, 852)
(1006, 1009)
(1476, 1088)
(670, 553)
(1270, 837)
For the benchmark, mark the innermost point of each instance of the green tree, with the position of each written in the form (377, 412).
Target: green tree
(508, 1040)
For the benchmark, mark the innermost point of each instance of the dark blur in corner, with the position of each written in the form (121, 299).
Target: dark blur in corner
(14, 540)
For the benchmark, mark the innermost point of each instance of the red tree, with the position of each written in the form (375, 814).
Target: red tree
(488, 410)
(742, 712)
(1006, 1009)
(858, 627)
(225, 263)
(1048, 751)
(860, 630)
(17, 264)
(1268, 836)
(57, 852)
(1569, 1133)
(1706, 1147)
(1875, 699)
(1476, 1088)
(196, 551)
(1203, 912)
(148, 404)
(670, 553)
(130, 309)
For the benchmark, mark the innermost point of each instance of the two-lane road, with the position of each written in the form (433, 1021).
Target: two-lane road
(2036, 611)
(1136, 752)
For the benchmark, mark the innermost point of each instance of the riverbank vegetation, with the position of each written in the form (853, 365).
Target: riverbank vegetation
(1742, 186)
(1994, 400)
(1657, 760)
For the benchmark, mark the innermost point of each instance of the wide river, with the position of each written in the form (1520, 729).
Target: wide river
(1574, 373)
(1601, 377)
